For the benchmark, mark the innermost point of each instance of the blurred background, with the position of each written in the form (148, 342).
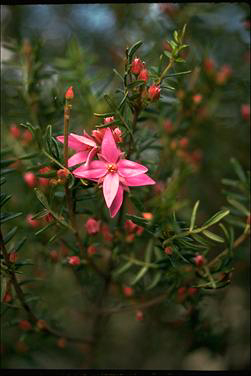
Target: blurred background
(79, 45)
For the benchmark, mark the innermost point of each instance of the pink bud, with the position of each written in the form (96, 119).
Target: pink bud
(245, 111)
(192, 291)
(69, 95)
(144, 75)
(168, 126)
(139, 315)
(108, 120)
(117, 134)
(197, 98)
(27, 136)
(184, 142)
(91, 250)
(15, 131)
(128, 291)
(139, 230)
(32, 222)
(154, 92)
(7, 297)
(49, 217)
(30, 179)
(199, 260)
(44, 181)
(168, 250)
(98, 134)
(63, 173)
(25, 325)
(136, 66)
(209, 65)
(92, 226)
(12, 256)
(74, 260)
(130, 226)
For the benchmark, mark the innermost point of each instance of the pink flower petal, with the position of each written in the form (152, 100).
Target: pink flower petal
(117, 202)
(109, 149)
(95, 170)
(129, 168)
(91, 155)
(110, 187)
(139, 180)
(76, 142)
(77, 158)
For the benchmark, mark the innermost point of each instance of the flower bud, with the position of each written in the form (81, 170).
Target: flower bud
(91, 250)
(130, 226)
(27, 136)
(117, 134)
(105, 231)
(49, 217)
(98, 135)
(15, 131)
(30, 179)
(108, 120)
(54, 255)
(168, 250)
(197, 98)
(192, 291)
(12, 256)
(74, 260)
(92, 226)
(136, 66)
(139, 315)
(128, 291)
(223, 75)
(245, 111)
(181, 293)
(69, 95)
(199, 260)
(32, 222)
(25, 325)
(154, 92)
(7, 297)
(44, 181)
(148, 216)
(139, 230)
(144, 75)
(63, 174)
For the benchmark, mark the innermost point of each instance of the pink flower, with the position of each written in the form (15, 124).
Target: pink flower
(27, 136)
(15, 131)
(69, 95)
(154, 92)
(30, 179)
(108, 120)
(168, 250)
(92, 226)
(115, 173)
(85, 146)
(32, 222)
(199, 260)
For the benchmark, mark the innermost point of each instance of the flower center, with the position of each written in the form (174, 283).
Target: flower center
(112, 167)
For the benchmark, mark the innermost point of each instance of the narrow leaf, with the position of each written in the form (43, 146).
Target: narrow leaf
(216, 218)
(193, 216)
(213, 236)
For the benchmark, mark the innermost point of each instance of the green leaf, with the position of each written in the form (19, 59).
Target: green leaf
(138, 220)
(138, 276)
(180, 60)
(213, 236)
(193, 216)
(40, 231)
(123, 269)
(118, 74)
(135, 84)
(4, 198)
(155, 280)
(238, 169)
(176, 37)
(168, 54)
(215, 218)
(20, 243)
(107, 114)
(133, 49)
(5, 217)
(238, 206)
(10, 235)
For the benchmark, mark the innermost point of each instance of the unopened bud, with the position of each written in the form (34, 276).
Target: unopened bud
(15, 131)
(199, 260)
(30, 179)
(154, 92)
(69, 95)
(91, 250)
(128, 291)
(144, 75)
(168, 250)
(74, 260)
(136, 66)
(108, 120)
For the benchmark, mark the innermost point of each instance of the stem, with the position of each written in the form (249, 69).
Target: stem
(163, 74)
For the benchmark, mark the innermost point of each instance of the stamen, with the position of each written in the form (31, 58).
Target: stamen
(112, 167)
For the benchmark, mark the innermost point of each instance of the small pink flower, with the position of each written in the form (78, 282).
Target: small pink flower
(108, 120)
(32, 222)
(128, 291)
(154, 92)
(245, 111)
(136, 66)
(15, 131)
(91, 250)
(114, 173)
(144, 75)
(199, 260)
(117, 134)
(30, 179)
(69, 95)
(74, 260)
(92, 226)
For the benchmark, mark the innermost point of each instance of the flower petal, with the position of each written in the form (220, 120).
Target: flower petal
(117, 202)
(139, 180)
(94, 170)
(77, 158)
(129, 168)
(109, 148)
(76, 142)
(110, 187)
(91, 155)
